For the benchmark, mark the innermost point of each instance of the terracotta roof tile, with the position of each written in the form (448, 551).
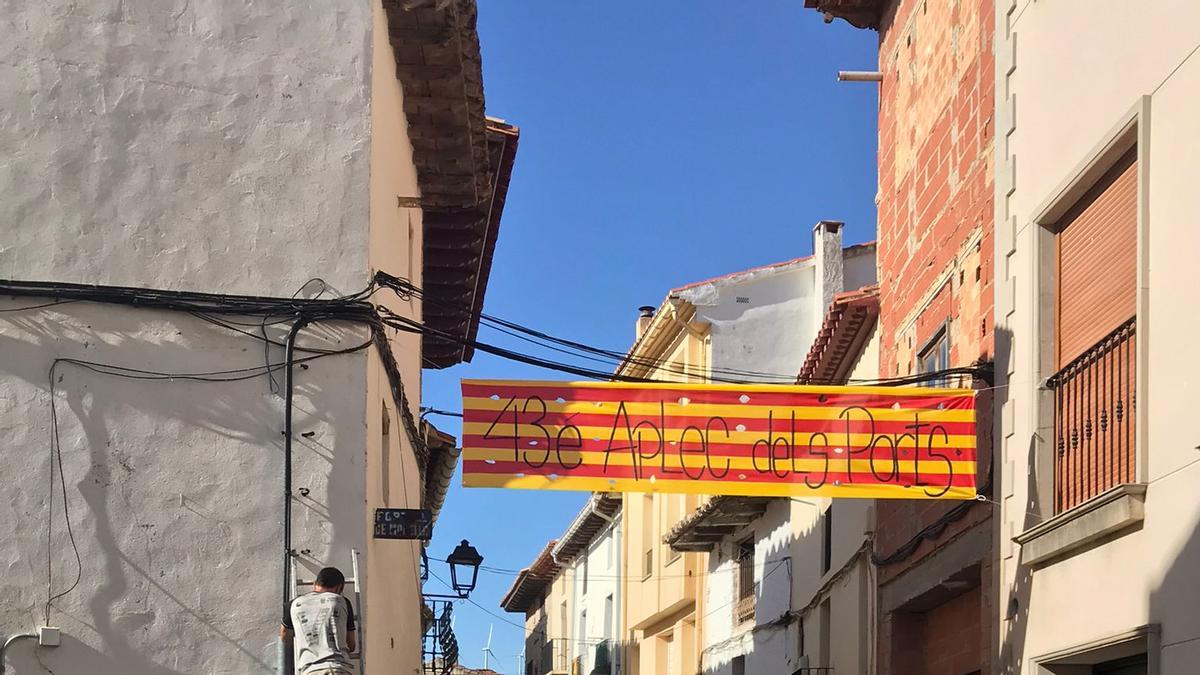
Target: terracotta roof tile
(843, 334)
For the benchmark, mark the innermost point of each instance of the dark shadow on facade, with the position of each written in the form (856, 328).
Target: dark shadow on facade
(140, 578)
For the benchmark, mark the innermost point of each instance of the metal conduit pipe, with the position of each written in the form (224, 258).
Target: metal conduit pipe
(860, 76)
(283, 665)
(11, 639)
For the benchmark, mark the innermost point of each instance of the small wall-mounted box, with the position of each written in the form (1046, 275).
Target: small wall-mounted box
(49, 636)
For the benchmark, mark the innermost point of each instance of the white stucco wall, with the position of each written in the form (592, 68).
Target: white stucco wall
(1054, 117)
(765, 320)
(772, 332)
(603, 556)
(765, 649)
(216, 146)
(157, 143)
(174, 489)
(859, 267)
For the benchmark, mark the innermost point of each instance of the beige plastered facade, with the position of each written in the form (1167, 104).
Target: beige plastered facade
(549, 640)
(662, 607)
(1079, 83)
(393, 635)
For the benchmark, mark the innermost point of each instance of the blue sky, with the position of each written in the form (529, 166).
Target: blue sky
(661, 143)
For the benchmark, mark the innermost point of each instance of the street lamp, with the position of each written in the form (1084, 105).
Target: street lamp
(464, 564)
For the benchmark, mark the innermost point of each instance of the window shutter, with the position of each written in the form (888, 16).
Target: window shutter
(1097, 261)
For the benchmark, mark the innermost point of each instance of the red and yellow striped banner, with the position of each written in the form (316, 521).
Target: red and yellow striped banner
(755, 440)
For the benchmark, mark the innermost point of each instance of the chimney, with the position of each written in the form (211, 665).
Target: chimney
(645, 316)
(827, 252)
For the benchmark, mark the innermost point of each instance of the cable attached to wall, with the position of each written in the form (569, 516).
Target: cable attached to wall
(935, 529)
(351, 308)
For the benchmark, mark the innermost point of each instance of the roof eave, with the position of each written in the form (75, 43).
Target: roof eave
(463, 162)
(443, 458)
(718, 518)
(865, 14)
(586, 525)
(655, 339)
(531, 581)
(507, 136)
(844, 333)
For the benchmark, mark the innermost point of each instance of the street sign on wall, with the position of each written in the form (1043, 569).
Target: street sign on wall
(755, 440)
(403, 524)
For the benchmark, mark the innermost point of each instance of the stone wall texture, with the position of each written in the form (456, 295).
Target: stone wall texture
(158, 143)
(205, 145)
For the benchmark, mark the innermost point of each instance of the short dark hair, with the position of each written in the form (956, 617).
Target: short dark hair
(330, 577)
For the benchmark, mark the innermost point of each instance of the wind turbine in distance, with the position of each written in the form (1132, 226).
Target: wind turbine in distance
(487, 649)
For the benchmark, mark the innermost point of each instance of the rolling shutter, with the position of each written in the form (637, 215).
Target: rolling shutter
(1097, 261)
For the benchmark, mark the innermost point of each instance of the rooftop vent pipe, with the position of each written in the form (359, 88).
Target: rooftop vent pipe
(860, 76)
(645, 316)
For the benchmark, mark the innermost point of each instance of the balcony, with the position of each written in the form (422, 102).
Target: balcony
(743, 609)
(1094, 435)
(556, 657)
(561, 656)
(604, 658)
(439, 645)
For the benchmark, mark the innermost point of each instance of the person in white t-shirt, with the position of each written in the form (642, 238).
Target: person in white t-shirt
(322, 625)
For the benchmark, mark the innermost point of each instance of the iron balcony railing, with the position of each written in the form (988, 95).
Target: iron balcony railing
(604, 661)
(747, 590)
(439, 645)
(743, 609)
(566, 655)
(557, 655)
(1094, 402)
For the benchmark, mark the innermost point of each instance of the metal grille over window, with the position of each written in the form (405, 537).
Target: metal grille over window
(1094, 401)
(743, 609)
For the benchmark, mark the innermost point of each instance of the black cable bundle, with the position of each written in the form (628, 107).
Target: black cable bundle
(219, 309)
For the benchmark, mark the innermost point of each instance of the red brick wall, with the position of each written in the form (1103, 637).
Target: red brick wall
(935, 208)
(898, 520)
(942, 641)
(935, 179)
(935, 253)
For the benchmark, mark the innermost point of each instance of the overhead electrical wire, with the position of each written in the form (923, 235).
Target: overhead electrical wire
(275, 307)
(29, 307)
(587, 351)
(355, 308)
(579, 349)
(402, 323)
(500, 571)
(774, 566)
(351, 308)
(617, 359)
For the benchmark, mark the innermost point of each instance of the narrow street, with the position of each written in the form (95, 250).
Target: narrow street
(452, 337)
